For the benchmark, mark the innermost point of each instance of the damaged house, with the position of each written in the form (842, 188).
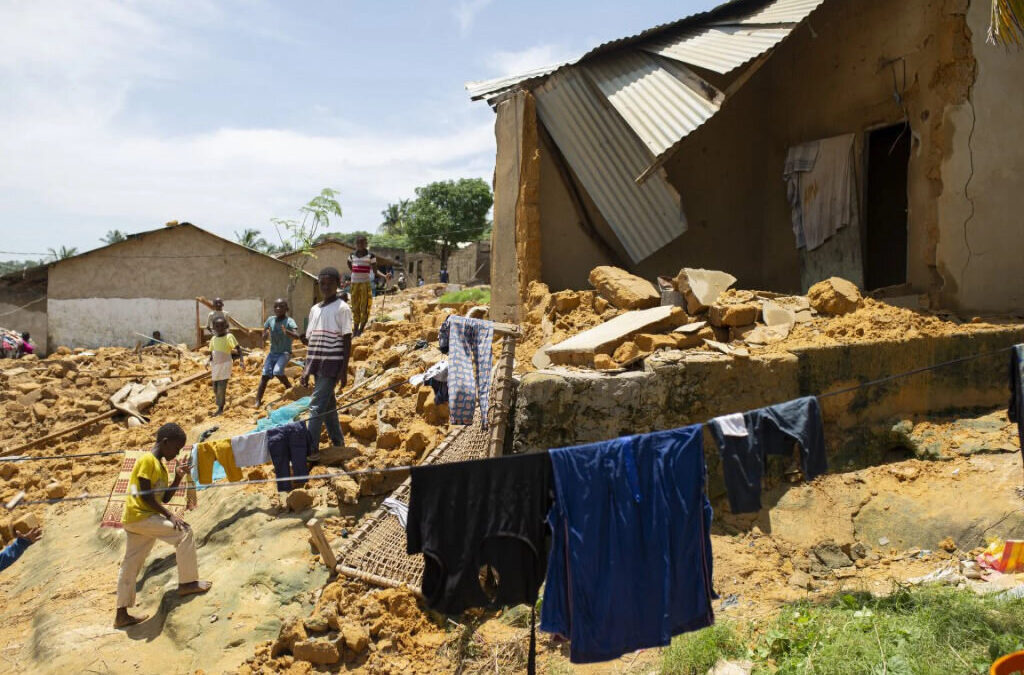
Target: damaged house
(784, 142)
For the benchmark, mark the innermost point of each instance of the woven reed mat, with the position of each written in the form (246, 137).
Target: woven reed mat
(184, 498)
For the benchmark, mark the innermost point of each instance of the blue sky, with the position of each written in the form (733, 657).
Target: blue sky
(129, 114)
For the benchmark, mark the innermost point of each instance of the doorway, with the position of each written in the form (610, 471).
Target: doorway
(885, 223)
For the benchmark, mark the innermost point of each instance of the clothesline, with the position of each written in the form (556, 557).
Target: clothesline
(367, 472)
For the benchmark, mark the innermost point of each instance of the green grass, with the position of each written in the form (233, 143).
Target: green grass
(920, 631)
(480, 295)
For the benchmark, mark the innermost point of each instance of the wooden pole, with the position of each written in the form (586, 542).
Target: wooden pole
(320, 541)
(502, 400)
(199, 328)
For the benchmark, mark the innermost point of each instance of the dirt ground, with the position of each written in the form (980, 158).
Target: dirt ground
(274, 607)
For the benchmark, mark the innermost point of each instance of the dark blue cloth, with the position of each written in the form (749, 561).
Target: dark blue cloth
(289, 445)
(770, 431)
(440, 391)
(630, 562)
(13, 551)
(1016, 411)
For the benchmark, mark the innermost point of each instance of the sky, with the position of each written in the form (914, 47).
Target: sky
(227, 113)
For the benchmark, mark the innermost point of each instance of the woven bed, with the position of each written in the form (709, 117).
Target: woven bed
(376, 552)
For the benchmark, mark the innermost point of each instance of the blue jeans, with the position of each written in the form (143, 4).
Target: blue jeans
(324, 402)
(274, 364)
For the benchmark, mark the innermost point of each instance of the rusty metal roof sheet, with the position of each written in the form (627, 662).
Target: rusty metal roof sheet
(606, 156)
(717, 48)
(659, 100)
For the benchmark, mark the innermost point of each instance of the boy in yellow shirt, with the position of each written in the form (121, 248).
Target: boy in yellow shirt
(146, 519)
(223, 349)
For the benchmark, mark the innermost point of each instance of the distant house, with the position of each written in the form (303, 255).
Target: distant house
(720, 140)
(111, 295)
(470, 264)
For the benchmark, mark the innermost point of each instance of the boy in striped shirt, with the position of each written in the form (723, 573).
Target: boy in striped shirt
(329, 338)
(363, 265)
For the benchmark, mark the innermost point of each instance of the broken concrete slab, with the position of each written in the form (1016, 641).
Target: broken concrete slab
(774, 314)
(604, 339)
(701, 287)
(622, 289)
(729, 350)
(766, 335)
(691, 328)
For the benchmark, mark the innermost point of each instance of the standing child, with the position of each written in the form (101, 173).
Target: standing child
(223, 349)
(280, 328)
(363, 265)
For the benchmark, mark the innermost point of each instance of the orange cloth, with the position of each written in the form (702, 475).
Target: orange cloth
(220, 451)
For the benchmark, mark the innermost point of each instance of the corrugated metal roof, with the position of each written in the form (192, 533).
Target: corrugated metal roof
(488, 89)
(781, 11)
(606, 156)
(719, 48)
(652, 97)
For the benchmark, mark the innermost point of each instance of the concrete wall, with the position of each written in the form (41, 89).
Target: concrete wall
(31, 319)
(173, 264)
(471, 263)
(426, 264)
(981, 233)
(508, 129)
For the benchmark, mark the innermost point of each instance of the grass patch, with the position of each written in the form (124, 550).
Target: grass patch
(923, 631)
(479, 294)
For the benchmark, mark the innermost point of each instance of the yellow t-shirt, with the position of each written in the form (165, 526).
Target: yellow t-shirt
(152, 469)
(224, 343)
(220, 356)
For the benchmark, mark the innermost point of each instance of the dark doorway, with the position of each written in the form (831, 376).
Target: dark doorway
(885, 231)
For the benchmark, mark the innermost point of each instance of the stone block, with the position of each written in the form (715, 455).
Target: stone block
(835, 296)
(56, 490)
(604, 362)
(732, 315)
(701, 287)
(627, 351)
(566, 301)
(299, 500)
(605, 338)
(624, 290)
(419, 439)
(355, 637)
(389, 440)
(649, 343)
(364, 429)
(319, 652)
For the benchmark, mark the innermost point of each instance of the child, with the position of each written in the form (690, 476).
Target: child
(280, 329)
(223, 348)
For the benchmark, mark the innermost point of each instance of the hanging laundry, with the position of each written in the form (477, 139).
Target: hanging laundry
(1016, 409)
(630, 562)
(821, 189)
(397, 509)
(465, 516)
(220, 451)
(289, 445)
(770, 431)
(250, 449)
(468, 344)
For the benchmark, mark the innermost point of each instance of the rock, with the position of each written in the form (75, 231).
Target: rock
(856, 550)
(28, 387)
(904, 473)
(92, 406)
(624, 290)
(835, 296)
(436, 414)
(626, 352)
(40, 410)
(8, 470)
(25, 523)
(690, 340)
(948, 545)
(360, 352)
(346, 488)
(566, 301)
(734, 314)
(701, 287)
(422, 394)
(389, 439)
(356, 638)
(63, 351)
(723, 667)
(364, 429)
(56, 490)
(741, 332)
(320, 652)
(604, 362)
(801, 580)
(419, 438)
(292, 632)
(299, 500)
(600, 304)
(78, 472)
(831, 555)
(649, 343)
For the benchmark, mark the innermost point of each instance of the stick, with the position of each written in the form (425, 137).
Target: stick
(320, 541)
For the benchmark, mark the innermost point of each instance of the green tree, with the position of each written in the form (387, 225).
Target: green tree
(301, 235)
(62, 253)
(394, 218)
(447, 213)
(251, 238)
(113, 237)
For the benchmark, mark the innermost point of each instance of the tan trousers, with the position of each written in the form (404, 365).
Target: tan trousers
(141, 536)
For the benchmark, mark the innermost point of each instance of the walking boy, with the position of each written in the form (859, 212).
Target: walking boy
(223, 349)
(363, 265)
(329, 336)
(280, 328)
(146, 519)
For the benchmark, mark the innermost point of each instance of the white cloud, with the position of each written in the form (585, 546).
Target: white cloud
(465, 13)
(67, 73)
(514, 62)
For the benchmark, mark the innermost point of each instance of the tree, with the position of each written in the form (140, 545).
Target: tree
(113, 237)
(394, 218)
(447, 213)
(301, 235)
(251, 238)
(62, 253)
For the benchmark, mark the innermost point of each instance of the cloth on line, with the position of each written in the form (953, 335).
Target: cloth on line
(218, 470)
(289, 446)
(468, 345)
(284, 414)
(821, 189)
(770, 431)
(630, 562)
(184, 498)
(220, 451)
(1016, 408)
(397, 509)
(731, 425)
(250, 449)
